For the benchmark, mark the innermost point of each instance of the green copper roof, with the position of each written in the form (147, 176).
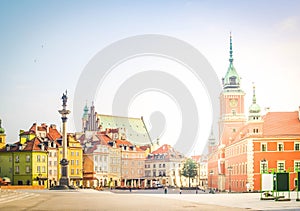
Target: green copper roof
(136, 131)
(85, 112)
(254, 108)
(231, 79)
(2, 131)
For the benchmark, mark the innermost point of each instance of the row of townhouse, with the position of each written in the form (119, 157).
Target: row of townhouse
(35, 158)
(248, 147)
(112, 162)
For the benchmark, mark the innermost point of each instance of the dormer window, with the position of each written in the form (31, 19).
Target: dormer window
(232, 80)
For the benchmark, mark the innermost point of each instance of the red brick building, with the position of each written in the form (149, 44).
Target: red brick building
(246, 148)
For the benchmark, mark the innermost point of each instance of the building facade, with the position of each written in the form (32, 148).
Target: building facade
(248, 147)
(163, 166)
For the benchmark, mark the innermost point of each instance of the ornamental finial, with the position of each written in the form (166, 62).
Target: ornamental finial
(230, 51)
(254, 95)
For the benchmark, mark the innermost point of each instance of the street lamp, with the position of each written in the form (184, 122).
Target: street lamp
(211, 173)
(229, 168)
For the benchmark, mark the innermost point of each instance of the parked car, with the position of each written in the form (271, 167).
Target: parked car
(159, 186)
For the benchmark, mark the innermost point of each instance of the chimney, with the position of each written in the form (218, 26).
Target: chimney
(7, 147)
(53, 126)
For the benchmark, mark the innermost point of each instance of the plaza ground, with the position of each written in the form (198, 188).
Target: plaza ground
(137, 200)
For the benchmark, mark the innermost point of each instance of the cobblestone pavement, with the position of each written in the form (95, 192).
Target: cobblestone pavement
(12, 195)
(105, 200)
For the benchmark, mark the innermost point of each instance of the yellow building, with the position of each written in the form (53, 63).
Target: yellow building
(75, 161)
(25, 162)
(2, 136)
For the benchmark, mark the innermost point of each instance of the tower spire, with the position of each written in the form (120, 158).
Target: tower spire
(254, 95)
(230, 51)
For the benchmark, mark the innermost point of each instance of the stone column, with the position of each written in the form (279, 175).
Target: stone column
(64, 180)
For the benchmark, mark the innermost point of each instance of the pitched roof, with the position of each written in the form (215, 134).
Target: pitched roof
(281, 124)
(163, 149)
(30, 145)
(136, 131)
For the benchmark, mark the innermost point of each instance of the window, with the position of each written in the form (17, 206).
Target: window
(50, 172)
(233, 111)
(96, 158)
(54, 154)
(17, 169)
(50, 154)
(297, 146)
(43, 158)
(263, 147)
(27, 158)
(50, 163)
(77, 162)
(44, 169)
(280, 147)
(280, 166)
(55, 163)
(154, 166)
(159, 165)
(38, 169)
(17, 159)
(72, 162)
(77, 171)
(297, 165)
(263, 166)
(164, 165)
(77, 153)
(232, 80)
(72, 171)
(154, 173)
(38, 158)
(72, 153)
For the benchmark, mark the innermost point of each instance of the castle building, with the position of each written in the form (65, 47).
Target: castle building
(247, 147)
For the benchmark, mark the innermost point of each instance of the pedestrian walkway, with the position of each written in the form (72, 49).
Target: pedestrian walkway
(236, 200)
(12, 195)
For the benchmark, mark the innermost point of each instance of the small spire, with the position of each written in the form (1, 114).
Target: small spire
(230, 52)
(254, 96)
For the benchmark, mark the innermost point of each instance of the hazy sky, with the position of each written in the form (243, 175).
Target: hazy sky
(45, 45)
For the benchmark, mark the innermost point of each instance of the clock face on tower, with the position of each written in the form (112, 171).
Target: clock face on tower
(233, 102)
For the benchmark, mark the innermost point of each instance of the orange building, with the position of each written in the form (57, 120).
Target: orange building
(246, 148)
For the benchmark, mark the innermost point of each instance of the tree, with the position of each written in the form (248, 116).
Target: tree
(189, 169)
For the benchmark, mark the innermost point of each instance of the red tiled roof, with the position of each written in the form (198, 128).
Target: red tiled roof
(54, 133)
(281, 123)
(163, 149)
(32, 145)
(196, 158)
(145, 147)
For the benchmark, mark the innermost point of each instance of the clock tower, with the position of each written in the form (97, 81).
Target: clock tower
(232, 115)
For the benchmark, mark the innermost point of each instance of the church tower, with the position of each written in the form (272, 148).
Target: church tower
(2, 136)
(232, 114)
(85, 117)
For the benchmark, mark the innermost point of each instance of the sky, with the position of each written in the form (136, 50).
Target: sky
(45, 46)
